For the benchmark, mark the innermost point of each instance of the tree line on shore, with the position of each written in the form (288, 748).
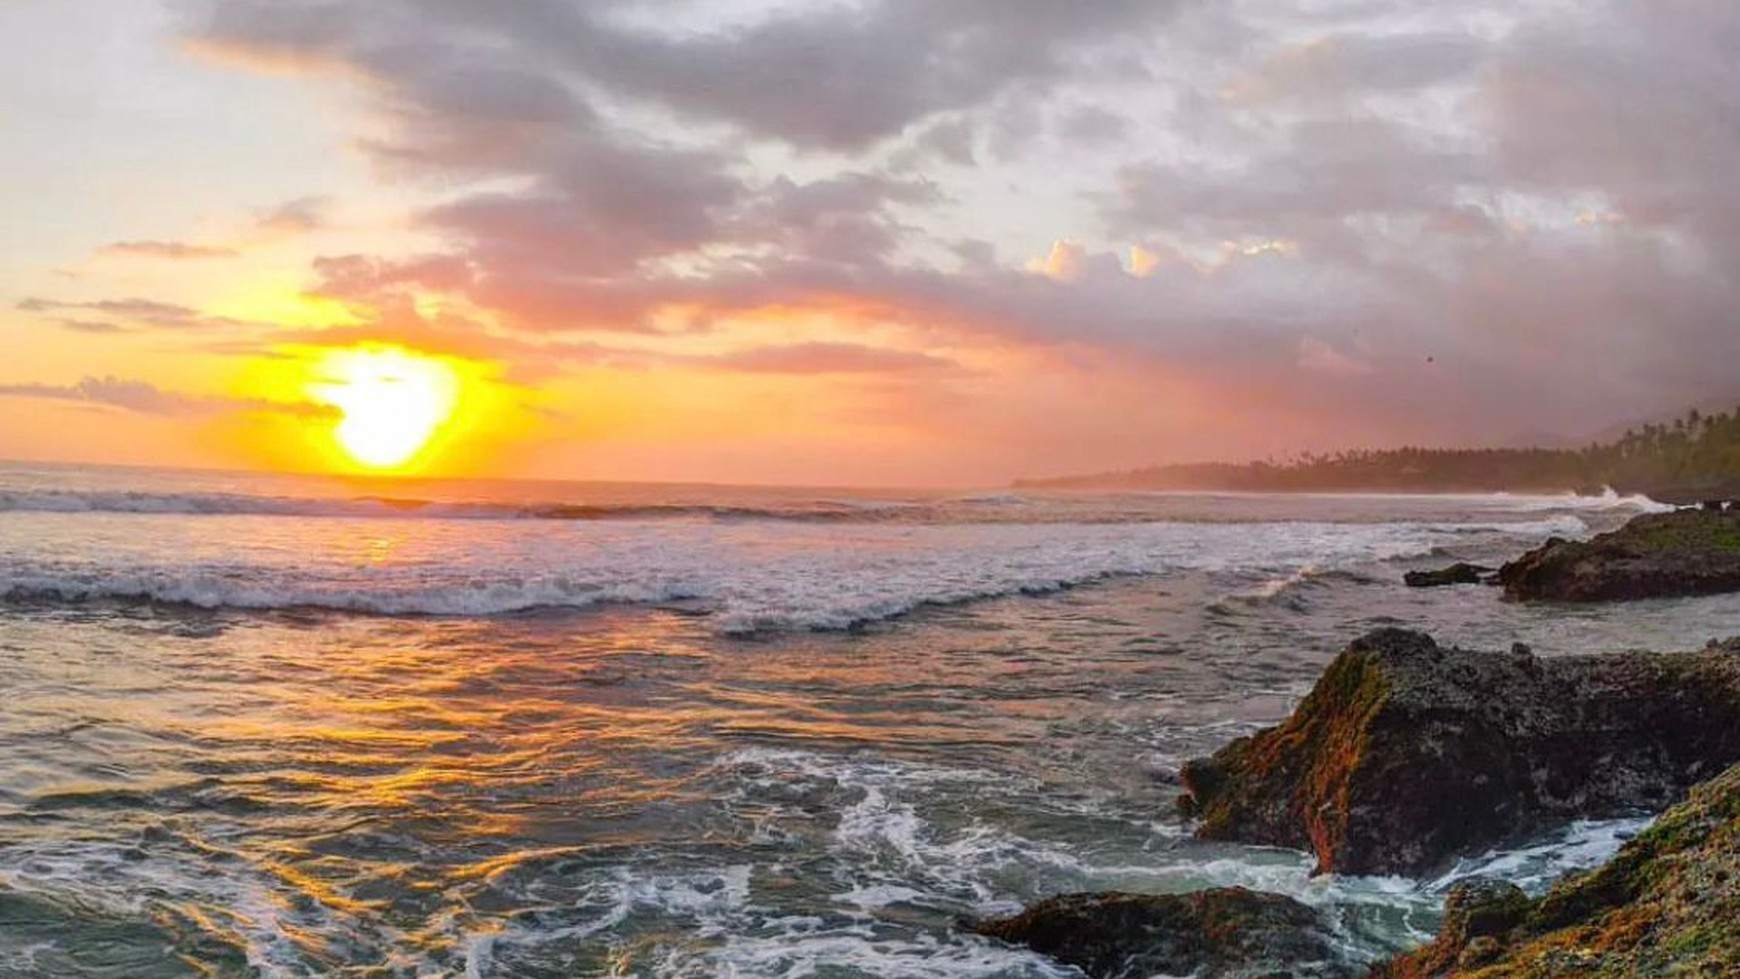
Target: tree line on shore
(1696, 456)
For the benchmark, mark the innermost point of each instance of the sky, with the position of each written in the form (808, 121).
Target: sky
(938, 242)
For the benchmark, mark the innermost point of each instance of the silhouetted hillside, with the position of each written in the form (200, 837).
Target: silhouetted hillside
(1695, 457)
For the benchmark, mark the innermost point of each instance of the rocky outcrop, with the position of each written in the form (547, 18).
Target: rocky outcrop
(1224, 932)
(1407, 755)
(1668, 904)
(1718, 495)
(1460, 573)
(1476, 913)
(1688, 552)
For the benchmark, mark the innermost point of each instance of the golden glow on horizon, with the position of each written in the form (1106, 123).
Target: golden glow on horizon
(392, 403)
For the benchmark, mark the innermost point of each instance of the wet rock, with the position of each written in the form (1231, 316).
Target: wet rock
(1224, 932)
(1720, 495)
(1484, 906)
(1669, 903)
(1476, 914)
(1460, 573)
(1688, 552)
(1407, 755)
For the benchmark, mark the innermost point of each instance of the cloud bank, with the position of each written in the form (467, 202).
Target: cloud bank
(1375, 221)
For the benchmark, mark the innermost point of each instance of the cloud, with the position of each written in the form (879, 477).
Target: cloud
(172, 250)
(114, 392)
(1364, 214)
(1315, 355)
(295, 217)
(1342, 67)
(563, 207)
(299, 216)
(827, 358)
(368, 279)
(148, 399)
(835, 76)
(1094, 124)
(90, 326)
(146, 312)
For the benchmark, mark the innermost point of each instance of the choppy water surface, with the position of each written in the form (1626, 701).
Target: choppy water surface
(276, 728)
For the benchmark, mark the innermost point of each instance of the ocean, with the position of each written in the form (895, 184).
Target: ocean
(288, 726)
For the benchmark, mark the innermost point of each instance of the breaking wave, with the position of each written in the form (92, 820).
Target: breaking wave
(751, 577)
(387, 508)
(980, 508)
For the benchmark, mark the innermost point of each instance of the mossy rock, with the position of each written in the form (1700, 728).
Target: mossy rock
(1684, 553)
(1407, 755)
(1667, 905)
(1221, 932)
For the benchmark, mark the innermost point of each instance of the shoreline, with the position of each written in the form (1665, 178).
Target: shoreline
(1392, 750)
(1406, 757)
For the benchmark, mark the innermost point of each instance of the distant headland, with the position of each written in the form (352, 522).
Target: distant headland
(1695, 458)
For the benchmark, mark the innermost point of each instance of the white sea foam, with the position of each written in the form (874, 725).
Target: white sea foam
(796, 951)
(994, 507)
(754, 576)
(1608, 500)
(212, 504)
(1582, 845)
(898, 852)
(895, 846)
(230, 899)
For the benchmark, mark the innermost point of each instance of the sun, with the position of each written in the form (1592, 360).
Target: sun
(391, 403)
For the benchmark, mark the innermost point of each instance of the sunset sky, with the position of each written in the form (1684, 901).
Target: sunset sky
(858, 241)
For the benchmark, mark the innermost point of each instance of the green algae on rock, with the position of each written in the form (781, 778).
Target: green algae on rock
(1406, 755)
(1222, 932)
(1667, 905)
(1684, 553)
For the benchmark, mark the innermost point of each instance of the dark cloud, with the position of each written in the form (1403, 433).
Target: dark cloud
(600, 212)
(1093, 124)
(840, 76)
(1645, 105)
(1444, 218)
(1323, 173)
(845, 77)
(951, 140)
(1347, 66)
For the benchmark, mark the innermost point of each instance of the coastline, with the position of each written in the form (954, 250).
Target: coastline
(1398, 763)
(735, 801)
(1407, 756)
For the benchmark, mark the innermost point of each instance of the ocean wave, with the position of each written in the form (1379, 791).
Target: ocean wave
(749, 577)
(1564, 525)
(511, 595)
(388, 508)
(980, 508)
(1305, 577)
(905, 859)
(231, 907)
(1609, 499)
(247, 591)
